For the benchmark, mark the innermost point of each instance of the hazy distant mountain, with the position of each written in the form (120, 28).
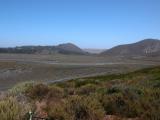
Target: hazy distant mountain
(67, 48)
(94, 51)
(147, 47)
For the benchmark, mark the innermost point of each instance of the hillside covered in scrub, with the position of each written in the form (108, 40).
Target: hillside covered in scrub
(146, 47)
(66, 48)
(131, 96)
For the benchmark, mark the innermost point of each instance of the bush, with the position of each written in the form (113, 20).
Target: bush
(11, 109)
(117, 104)
(76, 108)
(55, 92)
(21, 88)
(86, 89)
(69, 91)
(151, 115)
(114, 89)
(56, 110)
(37, 92)
(84, 108)
(82, 82)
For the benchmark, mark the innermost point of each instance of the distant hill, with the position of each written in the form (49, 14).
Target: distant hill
(147, 47)
(94, 51)
(67, 48)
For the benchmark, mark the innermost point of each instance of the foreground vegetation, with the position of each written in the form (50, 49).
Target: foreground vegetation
(133, 95)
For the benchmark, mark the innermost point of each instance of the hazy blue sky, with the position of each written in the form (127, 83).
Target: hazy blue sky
(87, 23)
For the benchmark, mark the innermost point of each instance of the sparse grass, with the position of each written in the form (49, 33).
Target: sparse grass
(7, 65)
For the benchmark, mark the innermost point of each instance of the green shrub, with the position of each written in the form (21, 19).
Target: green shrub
(11, 109)
(84, 108)
(114, 89)
(69, 91)
(55, 92)
(21, 88)
(66, 84)
(37, 92)
(76, 108)
(82, 82)
(86, 89)
(118, 104)
(56, 111)
(151, 114)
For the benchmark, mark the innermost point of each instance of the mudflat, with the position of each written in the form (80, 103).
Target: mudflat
(16, 68)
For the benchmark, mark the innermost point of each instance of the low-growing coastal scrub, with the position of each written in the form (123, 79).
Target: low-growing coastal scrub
(133, 95)
(12, 109)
